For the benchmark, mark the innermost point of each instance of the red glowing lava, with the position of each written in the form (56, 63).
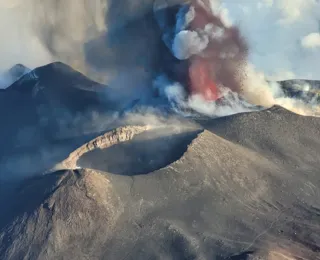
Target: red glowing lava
(219, 63)
(200, 80)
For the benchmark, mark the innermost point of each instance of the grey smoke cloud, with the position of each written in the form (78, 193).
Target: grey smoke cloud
(91, 36)
(118, 41)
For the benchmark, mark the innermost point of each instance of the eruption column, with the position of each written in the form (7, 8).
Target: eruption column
(221, 60)
(200, 81)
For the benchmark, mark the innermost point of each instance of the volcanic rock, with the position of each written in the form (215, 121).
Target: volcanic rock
(231, 194)
(238, 187)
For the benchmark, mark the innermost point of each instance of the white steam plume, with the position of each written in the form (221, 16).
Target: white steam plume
(257, 90)
(187, 43)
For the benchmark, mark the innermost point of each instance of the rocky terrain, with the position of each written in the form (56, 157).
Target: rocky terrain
(239, 187)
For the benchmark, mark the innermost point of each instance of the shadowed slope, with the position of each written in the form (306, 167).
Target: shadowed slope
(57, 81)
(47, 96)
(48, 104)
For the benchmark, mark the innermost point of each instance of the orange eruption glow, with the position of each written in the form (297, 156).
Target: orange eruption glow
(200, 81)
(219, 64)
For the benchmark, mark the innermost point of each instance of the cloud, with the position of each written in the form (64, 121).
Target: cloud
(273, 30)
(188, 43)
(311, 41)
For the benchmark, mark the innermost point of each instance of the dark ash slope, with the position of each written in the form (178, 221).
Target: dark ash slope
(240, 187)
(46, 114)
(240, 191)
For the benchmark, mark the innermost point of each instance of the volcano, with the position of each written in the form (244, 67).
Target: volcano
(238, 187)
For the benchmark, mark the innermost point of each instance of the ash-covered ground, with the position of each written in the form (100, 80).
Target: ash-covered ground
(118, 184)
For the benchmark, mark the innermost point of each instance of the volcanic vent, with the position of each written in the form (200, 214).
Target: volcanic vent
(132, 150)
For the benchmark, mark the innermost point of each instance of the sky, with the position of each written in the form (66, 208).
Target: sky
(283, 35)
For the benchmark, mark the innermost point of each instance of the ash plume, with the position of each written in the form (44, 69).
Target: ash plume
(119, 43)
(213, 47)
(218, 65)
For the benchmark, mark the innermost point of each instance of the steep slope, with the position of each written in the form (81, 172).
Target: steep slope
(219, 200)
(58, 84)
(67, 215)
(47, 76)
(50, 103)
(224, 198)
(276, 133)
(12, 75)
